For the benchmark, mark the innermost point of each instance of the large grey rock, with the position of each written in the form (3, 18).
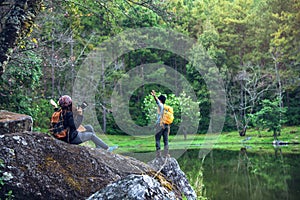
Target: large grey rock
(41, 167)
(171, 169)
(37, 166)
(13, 122)
(135, 187)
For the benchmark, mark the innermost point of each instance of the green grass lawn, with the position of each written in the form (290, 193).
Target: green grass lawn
(254, 141)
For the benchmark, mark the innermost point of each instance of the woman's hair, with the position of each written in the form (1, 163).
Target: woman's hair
(65, 102)
(66, 109)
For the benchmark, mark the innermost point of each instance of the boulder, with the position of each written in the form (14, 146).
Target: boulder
(171, 169)
(167, 173)
(38, 166)
(13, 122)
(135, 187)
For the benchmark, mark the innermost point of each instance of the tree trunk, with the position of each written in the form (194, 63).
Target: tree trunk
(103, 89)
(279, 88)
(17, 18)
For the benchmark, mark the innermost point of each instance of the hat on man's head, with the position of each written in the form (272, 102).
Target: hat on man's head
(162, 98)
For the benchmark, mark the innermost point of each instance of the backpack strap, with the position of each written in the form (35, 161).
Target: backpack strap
(62, 115)
(161, 113)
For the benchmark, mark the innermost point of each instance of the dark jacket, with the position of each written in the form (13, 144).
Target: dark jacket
(70, 124)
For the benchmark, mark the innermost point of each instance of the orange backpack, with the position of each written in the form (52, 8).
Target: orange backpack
(57, 127)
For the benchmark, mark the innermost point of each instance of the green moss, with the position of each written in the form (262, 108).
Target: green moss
(54, 166)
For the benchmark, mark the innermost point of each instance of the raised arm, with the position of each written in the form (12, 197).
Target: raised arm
(154, 95)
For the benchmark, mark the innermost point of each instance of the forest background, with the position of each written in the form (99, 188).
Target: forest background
(254, 44)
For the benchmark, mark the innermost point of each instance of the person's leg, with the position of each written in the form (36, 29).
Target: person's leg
(76, 140)
(157, 141)
(166, 132)
(89, 128)
(86, 136)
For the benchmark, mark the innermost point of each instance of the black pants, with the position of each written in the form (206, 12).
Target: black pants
(165, 133)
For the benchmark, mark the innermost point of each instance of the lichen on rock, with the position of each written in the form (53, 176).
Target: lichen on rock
(135, 187)
(171, 169)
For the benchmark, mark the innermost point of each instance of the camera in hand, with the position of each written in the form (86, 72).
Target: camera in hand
(83, 105)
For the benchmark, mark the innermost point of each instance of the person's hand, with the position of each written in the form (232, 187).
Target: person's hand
(79, 110)
(81, 128)
(52, 102)
(153, 93)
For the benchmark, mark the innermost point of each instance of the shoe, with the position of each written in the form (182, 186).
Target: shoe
(110, 149)
(167, 156)
(158, 154)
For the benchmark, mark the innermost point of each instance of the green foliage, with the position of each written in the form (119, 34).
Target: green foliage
(285, 16)
(233, 33)
(19, 89)
(271, 116)
(19, 83)
(293, 108)
(41, 112)
(185, 110)
(141, 17)
(200, 87)
(23, 73)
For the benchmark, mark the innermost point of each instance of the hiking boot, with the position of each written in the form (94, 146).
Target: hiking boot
(166, 153)
(110, 149)
(158, 154)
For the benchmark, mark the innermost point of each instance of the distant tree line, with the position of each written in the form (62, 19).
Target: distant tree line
(254, 44)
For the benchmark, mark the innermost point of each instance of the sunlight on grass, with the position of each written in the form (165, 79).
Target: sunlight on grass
(253, 141)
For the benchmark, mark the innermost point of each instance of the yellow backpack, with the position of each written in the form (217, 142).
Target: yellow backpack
(168, 115)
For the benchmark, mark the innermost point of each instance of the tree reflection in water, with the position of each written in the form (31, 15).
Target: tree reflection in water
(225, 174)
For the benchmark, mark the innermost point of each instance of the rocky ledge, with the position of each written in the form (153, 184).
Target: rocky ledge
(38, 166)
(13, 122)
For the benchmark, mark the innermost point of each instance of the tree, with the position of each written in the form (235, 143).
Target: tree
(186, 111)
(19, 85)
(232, 20)
(284, 47)
(262, 33)
(244, 92)
(270, 116)
(17, 18)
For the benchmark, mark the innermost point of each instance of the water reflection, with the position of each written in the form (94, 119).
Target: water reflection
(243, 175)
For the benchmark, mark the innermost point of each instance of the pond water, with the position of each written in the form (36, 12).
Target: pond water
(225, 174)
